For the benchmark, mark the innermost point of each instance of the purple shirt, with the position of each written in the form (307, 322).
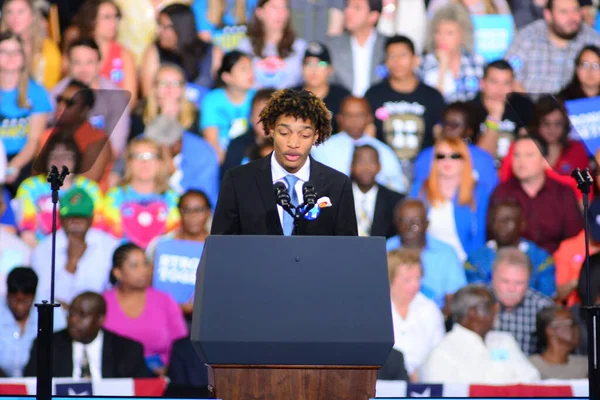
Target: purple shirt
(160, 324)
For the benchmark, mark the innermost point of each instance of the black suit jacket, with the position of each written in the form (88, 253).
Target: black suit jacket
(383, 217)
(121, 357)
(247, 203)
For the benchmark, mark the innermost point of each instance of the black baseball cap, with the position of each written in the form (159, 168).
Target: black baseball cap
(317, 50)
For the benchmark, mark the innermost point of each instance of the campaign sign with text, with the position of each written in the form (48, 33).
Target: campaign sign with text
(175, 266)
(585, 120)
(493, 35)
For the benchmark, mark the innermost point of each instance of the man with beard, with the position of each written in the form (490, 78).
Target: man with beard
(519, 304)
(543, 53)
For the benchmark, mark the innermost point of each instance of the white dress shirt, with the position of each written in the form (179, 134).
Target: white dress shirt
(92, 271)
(338, 150)
(278, 173)
(362, 57)
(364, 205)
(94, 354)
(417, 334)
(463, 357)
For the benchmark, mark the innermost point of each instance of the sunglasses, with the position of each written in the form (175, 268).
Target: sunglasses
(452, 124)
(147, 156)
(452, 156)
(195, 210)
(68, 102)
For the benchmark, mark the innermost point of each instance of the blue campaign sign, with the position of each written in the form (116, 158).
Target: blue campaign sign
(493, 35)
(175, 266)
(585, 120)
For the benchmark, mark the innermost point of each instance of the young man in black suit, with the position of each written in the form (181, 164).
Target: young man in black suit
(374, 203)
(296, 120)
(84, 350)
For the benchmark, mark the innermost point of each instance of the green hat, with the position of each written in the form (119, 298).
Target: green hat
(76, 203)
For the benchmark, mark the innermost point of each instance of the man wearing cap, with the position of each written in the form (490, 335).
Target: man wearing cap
(83, 254)
(570, 256)
(316, 73)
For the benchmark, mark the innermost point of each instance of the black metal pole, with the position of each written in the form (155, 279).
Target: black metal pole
(584, 183)
(46, 309)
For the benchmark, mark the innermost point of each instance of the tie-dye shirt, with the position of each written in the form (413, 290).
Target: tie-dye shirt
(35, 198)
(139, 218)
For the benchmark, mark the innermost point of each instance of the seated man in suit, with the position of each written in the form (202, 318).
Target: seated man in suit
(374, 203)
(85, 350)
(296, 120)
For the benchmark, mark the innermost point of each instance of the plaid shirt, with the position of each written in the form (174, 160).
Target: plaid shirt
(463, 87)
(521, 320)
(539, 65)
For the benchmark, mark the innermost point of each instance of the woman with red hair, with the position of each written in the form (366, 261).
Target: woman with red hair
(457, 203)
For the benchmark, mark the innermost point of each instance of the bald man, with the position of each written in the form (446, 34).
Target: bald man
(443, 273)
(85, 350)
(354, 117)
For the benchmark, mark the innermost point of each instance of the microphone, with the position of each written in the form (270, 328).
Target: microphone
(310, 195)
(282, 197)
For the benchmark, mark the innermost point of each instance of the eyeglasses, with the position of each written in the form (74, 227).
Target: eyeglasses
(453, 124)
(194, 210)
(589, 66)
(109, 17)
(319, 64)
(147, 156)
(68, 102)
(10, 53)
(563, 324)
(452, 156)
(169, 84)
(165, 27)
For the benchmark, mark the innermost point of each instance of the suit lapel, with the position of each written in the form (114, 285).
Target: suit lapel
(348, 80)
(378, 57)
(264, 181)
(107, 356)
(63, 350)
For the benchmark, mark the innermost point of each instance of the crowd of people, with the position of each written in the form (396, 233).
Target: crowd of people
(462, 164)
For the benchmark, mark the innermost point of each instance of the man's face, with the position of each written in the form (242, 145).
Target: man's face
(70, 110)
(510, 283)
(454, 125)
(259, 130)
(84, 321)
(485, 313)
(84, 64)
(564, 19)
(497, 84)
(528, 162)
(77, 226)
(315, 72)
(400, 61)
(365, 166)
(354, 117)
(506, 224)
(358, 15)
(411, 224)
(20, 304)
(292, 141)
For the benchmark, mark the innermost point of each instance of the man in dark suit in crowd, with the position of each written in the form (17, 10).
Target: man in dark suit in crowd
(85, 350)
(374, 203)
(296, 120)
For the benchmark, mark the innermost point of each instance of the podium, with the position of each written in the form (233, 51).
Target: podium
(299, 317)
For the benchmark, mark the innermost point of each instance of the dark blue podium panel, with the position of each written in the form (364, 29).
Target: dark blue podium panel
(300, 300)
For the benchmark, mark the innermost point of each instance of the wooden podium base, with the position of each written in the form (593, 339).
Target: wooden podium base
(285, 382)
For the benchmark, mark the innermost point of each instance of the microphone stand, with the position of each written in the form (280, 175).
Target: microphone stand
(584, 183)
(46, 309)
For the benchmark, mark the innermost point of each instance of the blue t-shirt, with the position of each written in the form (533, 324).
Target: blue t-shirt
(228, 36)
(232, 120)
(15, 121)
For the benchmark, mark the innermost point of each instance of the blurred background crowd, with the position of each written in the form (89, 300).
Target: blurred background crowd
(463, 163)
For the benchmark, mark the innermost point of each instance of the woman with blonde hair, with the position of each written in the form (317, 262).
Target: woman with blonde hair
(24, 109)
(25, 18)
(476, 7)
(167, 99)
(142, 207)
(457, 203)
(450, 64)
(223, 22)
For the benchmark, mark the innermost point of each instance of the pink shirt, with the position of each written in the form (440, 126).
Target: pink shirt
(160, 324)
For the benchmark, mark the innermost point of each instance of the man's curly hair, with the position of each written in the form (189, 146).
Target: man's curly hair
(299, 104)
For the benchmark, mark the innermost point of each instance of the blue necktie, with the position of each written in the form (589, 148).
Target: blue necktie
(288, 221)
